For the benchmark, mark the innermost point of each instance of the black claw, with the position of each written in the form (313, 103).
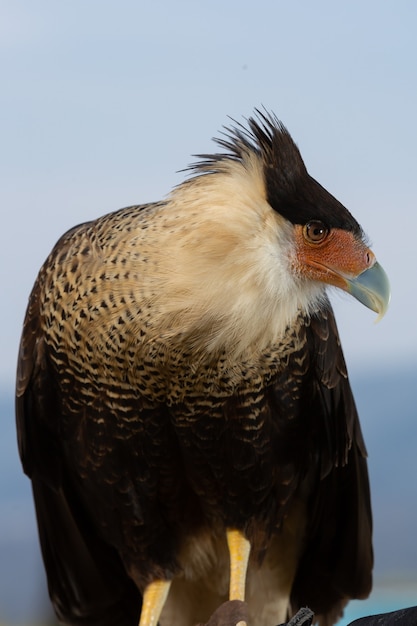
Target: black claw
(303, 617)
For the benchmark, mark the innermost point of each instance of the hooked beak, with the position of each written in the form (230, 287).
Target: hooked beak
(372, 289)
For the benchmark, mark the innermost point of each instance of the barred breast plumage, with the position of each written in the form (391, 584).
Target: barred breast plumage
(181, 386)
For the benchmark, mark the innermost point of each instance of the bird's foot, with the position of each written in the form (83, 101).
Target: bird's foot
(235, 613)
(230, 613)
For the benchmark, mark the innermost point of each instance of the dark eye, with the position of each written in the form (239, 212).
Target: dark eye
(315, 231)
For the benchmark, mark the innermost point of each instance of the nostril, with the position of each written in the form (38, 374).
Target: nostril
(369, 258)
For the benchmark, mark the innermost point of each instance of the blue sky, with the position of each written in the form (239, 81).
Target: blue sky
(103, 102)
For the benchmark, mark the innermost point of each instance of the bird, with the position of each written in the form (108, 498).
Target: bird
(183, 406)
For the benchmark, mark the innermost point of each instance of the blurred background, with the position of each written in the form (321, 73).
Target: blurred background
(102, 103)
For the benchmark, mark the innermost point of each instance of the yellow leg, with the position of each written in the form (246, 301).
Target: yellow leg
(239, 549)
(153, 602)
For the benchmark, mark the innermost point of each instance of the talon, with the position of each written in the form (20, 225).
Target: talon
(239, 549)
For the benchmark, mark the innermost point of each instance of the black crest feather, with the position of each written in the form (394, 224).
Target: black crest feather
(264, 135)
(290, 190)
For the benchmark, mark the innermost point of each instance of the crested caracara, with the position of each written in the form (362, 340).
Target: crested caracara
(183, 407)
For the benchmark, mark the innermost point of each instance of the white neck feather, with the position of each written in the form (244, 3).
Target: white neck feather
(224, 275)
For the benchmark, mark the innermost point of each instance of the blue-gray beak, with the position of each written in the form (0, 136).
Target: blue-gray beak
(372, 288)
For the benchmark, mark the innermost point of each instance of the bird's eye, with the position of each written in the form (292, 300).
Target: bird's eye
(315, 231)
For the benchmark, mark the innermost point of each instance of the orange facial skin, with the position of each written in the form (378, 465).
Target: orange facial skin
(332, 256)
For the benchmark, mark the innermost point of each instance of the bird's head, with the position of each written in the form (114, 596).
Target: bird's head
(330, 246)
(260, 240)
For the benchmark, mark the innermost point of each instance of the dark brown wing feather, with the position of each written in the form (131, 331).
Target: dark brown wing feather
(338, 561)
(86, 580)
(310, 403)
